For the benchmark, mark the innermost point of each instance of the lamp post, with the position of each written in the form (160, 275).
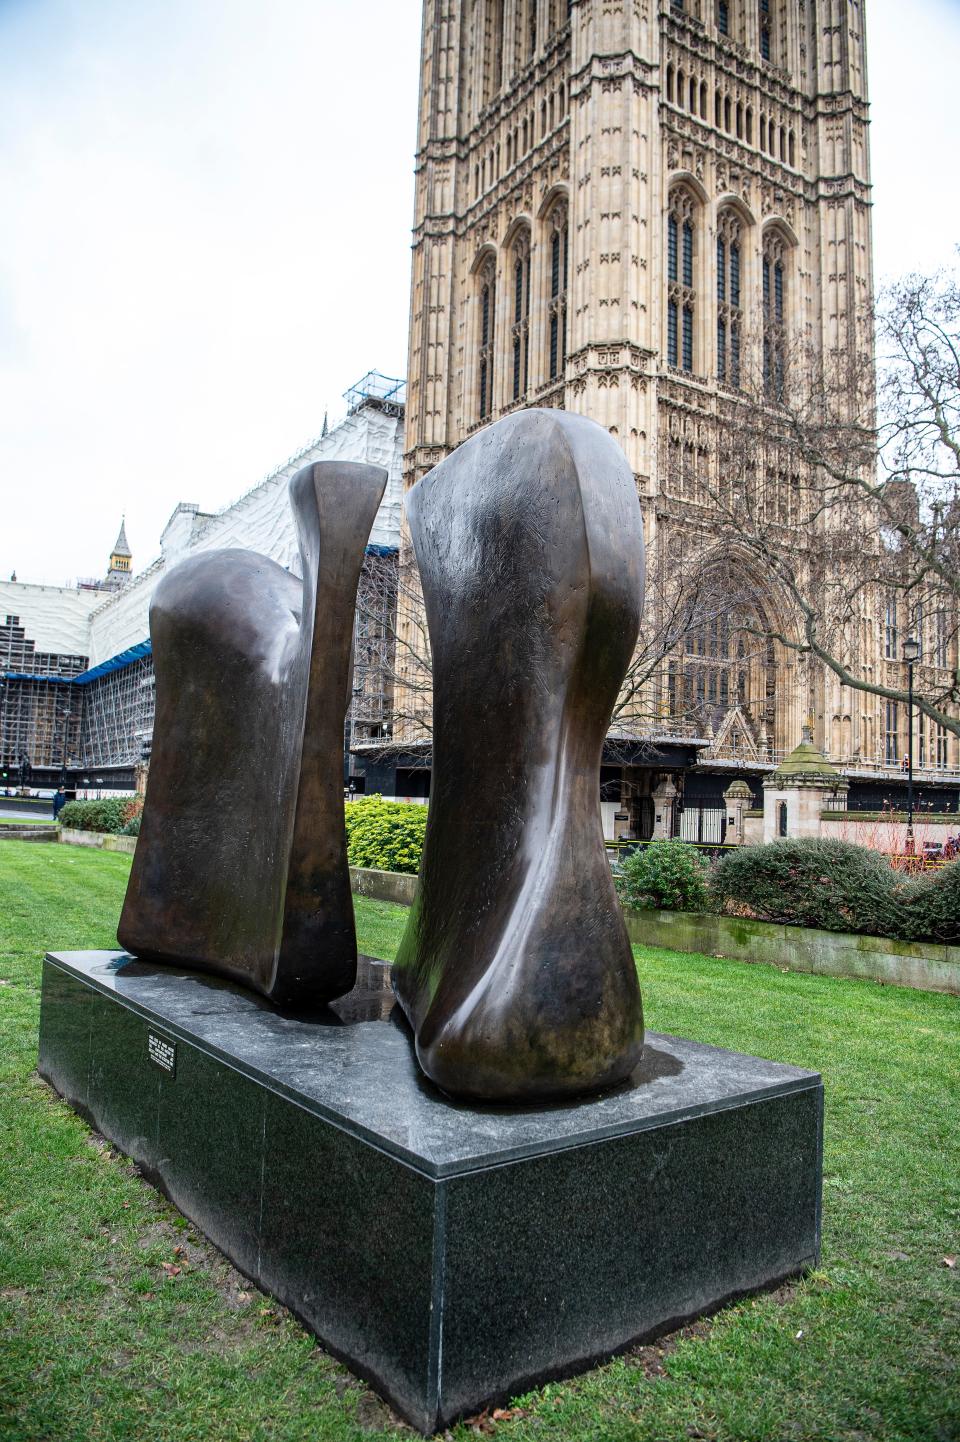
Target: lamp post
(911, 653)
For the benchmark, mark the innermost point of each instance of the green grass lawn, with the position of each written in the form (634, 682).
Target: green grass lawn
(118, 1321)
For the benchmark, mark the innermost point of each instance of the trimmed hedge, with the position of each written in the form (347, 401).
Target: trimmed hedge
(665, 876)
(932, 911)
(113, 815)
(837, 886)
(385, 835)
(833, 885)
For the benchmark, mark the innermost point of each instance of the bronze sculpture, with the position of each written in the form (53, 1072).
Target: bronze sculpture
(241, 866)
(515, 969)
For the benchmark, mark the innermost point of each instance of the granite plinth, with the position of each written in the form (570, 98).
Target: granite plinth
(451, 1254)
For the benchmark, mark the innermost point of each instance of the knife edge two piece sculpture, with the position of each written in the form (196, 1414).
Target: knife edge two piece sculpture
(515, 970)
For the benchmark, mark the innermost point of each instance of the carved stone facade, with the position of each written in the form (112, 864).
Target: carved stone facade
(610, 196)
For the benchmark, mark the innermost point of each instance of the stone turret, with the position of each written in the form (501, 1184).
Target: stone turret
(739, 798)
(796, 793)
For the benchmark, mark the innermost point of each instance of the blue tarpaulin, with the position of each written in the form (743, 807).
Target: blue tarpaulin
(115, 663)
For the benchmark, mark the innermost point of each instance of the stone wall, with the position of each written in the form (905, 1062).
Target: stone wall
(101, 839)
(923, 965)
(384, 885)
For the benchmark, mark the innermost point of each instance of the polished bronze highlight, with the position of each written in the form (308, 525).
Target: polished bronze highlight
(241, 867)
(515, 969)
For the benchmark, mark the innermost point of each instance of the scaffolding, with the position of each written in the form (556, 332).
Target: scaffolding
(384, 393)
(40, 708)
(374, 645)
(56, 714)
(118, 707)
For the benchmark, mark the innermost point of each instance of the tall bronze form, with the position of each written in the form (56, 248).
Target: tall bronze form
(241, 867)
(515, 969)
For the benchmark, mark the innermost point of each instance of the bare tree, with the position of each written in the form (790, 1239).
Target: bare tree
(851, 505)
(392, 678)
(677, 683)
(688, 600)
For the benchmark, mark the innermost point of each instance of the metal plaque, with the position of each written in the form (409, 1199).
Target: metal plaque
(162, 1052)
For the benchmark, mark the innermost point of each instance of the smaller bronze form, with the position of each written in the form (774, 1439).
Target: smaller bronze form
(241, 867)
(515, 969)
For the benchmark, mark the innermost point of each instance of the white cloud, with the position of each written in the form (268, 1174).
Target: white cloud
(207, 230)
(209, 241)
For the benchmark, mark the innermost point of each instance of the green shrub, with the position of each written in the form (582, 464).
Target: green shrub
(131, 827)
(931, 910)
(385, 835)
(833, 885)
(110, 814)
(666, 876)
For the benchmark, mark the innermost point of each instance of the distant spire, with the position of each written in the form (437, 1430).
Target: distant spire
(13, 575)
(325, 426)
(121, 548)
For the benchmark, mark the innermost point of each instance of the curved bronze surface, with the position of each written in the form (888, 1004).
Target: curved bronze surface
(515, 969)
(241, 867)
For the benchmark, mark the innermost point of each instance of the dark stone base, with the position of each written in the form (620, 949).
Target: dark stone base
(452, 1255)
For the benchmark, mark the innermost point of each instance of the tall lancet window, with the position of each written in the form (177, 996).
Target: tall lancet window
(487, 300)
(520, 329)
(681, 295)
(766, 22)
(557, 231)
(492, 78)
(774, 314)
(729, 313)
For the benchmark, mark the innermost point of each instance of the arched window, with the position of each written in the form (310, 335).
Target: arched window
(723, 17)
(670, 84)
(487, 296)
(781, 818)
(681, 295)
(749, 125)
(739, 120)
(792, 149)
(531, 28)
(774, 314)
(692, 107)
(721, 661)
(520, 324)
(763, 132)
(703, 99)
(729, 312)
(557, 231)
(726, 113)
(680, 81)
(717, 109)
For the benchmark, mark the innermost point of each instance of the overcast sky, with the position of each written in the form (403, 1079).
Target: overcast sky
(205, 239)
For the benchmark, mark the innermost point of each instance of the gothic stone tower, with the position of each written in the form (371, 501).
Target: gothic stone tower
(121, 560)
(609, 193)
